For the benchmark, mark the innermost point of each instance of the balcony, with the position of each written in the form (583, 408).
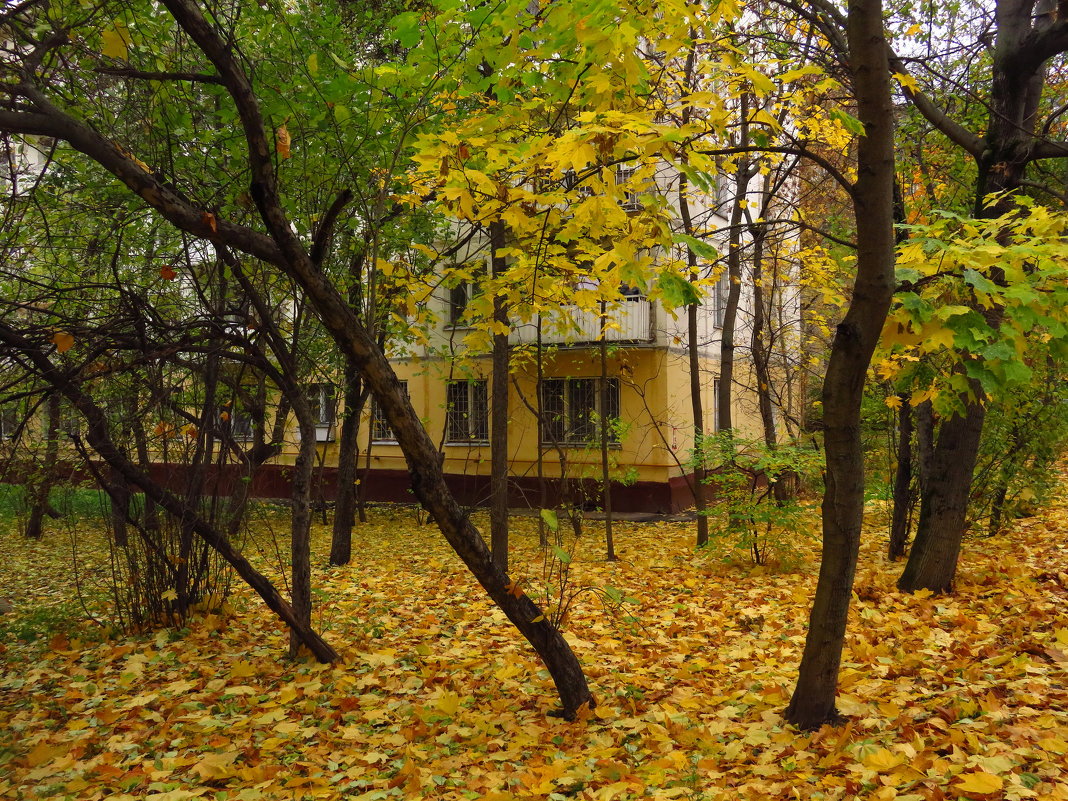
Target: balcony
(631, 320)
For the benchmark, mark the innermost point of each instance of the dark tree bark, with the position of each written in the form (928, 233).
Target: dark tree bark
(699, 483)
(606, 476)
(812, 703)
(40, 489)
(300, 523)
(727, 346)
(1023, 43)
(904, 496)
(499, 409)
(348, 455)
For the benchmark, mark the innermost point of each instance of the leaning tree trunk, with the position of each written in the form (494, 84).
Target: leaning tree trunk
(282, 247)
(812, 703)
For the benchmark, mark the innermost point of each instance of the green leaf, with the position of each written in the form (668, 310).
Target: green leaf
(406, 29)
(676, 291)
(562, 555)
(698, 246)
(848, 121)
(550, 518)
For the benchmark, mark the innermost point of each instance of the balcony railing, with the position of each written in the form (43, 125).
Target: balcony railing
(630, 320)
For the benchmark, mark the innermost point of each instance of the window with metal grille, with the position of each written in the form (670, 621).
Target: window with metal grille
(380, 428)
(467, 412)
(571, 408)
(630, 201)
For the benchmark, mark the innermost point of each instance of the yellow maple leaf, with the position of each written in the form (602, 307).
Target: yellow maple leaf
(63, 341)
(242, 670)
(217, 765)
(893, 401)
(448, 702)
(979, 782)
(115, 41)
(882, 760)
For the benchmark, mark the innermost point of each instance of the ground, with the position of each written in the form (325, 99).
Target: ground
(944, 697)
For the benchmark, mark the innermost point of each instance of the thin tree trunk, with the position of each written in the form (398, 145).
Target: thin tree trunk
(812, 703)
(348, 455)
(300, 524)
(606, 477)
(499, 410)
(903, 493)
(734, 289)
(41, 487)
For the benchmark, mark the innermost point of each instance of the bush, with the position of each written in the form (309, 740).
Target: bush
(756, 515)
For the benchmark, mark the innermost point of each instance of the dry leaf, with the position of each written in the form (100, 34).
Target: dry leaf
(63, 341)
(282, 141)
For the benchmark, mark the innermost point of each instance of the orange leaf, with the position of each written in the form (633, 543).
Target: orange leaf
(209, 220)
(512, 588)
(282, 141)
(167, 273)
(63, 341)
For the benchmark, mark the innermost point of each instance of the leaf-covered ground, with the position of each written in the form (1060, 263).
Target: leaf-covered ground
(946, 697)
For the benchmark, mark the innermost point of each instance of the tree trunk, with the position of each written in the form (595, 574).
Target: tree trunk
(300, 524)
(606, 477)
(41, 487)
(348, 455)
(904, 496)
(812, 703)
(499, 410)
(932, 562)
(734, 289)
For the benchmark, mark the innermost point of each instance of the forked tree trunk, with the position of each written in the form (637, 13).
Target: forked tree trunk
(813, 700)
(1028, 35)
(932, 562)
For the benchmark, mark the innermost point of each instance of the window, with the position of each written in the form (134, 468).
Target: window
(70, 421)
(459, 297)
(380, 429)
(239, 426)
(571, 183)
(719, 298)
(572, 410)
(322, 399)
(467, 412)
(630, 201)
